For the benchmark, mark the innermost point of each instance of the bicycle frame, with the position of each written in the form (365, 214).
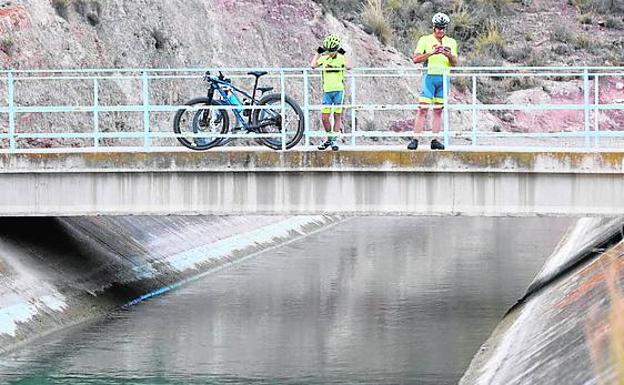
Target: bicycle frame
(228, 93)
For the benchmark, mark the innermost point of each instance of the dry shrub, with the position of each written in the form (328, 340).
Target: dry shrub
(498, 5)
(491, 41)
(561, 33)
(582, 41)
(594, 5)
(374, 16)
(613, 23)
(60, 6)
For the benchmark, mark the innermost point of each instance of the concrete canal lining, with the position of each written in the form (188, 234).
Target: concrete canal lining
(55, 272)
(569, 327)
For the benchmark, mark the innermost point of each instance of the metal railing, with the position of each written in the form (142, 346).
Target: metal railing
(99, 93)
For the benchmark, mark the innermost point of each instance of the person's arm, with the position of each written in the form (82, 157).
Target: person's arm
(452, 55)
(420, 54)
(314, 63)
(348, 63)
(320, 51)
(420, 57)
(453, 59)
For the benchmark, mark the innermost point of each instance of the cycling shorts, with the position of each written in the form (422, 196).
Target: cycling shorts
(334, 98)
(432, 90)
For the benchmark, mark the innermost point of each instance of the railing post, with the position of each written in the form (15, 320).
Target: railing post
(306, 107)
(474, 110)
(283, 101)
(146, 111)
(11, 96)
(586, 107)
(445, 111)
(96, 113)
(353, 109)
(596, 111)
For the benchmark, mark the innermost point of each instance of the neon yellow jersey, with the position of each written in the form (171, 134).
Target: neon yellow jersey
(437, 64)
(333, 72)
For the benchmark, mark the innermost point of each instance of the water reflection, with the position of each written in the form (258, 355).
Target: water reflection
(386, 300)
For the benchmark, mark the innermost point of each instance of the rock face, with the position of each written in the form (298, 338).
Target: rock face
(571, 93)
(175, 34)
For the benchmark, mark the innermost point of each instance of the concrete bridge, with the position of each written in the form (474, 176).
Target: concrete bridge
(361, 182)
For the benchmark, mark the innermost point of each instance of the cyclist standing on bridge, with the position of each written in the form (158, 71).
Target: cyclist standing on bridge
(333, 61)
(438, 53)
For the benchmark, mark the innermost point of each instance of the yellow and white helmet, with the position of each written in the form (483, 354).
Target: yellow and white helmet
(441, 20)
(331, 43)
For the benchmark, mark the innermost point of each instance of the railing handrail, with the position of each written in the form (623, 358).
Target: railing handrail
(588, 75)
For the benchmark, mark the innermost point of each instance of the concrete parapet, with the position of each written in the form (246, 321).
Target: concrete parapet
(372, 160)
(300, 182)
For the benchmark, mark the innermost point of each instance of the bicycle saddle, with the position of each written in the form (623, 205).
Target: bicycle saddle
(257, 73)
(265, 89)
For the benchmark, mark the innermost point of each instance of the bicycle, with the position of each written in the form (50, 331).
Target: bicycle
(196, 120)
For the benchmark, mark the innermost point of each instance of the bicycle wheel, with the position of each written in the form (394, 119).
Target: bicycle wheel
(271, 121)
(195, 120)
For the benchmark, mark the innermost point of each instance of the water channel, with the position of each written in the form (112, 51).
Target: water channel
(373, 300)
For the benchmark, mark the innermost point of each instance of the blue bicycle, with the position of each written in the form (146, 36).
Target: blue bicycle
(195, 121)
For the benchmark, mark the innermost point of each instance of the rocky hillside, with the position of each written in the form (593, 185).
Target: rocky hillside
(173, 33)
(513, 33)
(51, 34)
(501, 32)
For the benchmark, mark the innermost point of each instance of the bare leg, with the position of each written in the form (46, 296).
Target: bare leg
(337, 122)
(325, 118)
(436, 123)
(421, 118)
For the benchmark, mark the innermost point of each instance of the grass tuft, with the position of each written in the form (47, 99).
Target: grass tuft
(374, 16)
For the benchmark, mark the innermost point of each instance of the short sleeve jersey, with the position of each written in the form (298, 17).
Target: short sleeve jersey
(436, 64)
(333, 72)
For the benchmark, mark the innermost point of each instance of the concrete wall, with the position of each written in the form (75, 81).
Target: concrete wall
(569, 328)
(349, 182)
(55, 272)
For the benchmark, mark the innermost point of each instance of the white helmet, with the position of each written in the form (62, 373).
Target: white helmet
(441, 20)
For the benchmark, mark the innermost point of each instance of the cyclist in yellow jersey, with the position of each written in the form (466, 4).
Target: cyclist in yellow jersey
(333, 62)
(438, 53)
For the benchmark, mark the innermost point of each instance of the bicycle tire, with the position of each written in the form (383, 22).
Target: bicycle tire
(195, 143)
(276, 143)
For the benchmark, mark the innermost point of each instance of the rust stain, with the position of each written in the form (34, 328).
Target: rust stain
(591, 278)
(604, 332)
(378, 159)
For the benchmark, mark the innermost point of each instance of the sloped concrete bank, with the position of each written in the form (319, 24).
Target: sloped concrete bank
(55, 272)
(569, 327)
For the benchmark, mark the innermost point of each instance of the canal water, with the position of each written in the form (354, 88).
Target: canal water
(373, 300)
